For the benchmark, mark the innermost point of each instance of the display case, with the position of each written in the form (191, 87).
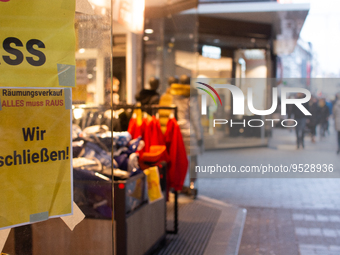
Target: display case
(140, 226)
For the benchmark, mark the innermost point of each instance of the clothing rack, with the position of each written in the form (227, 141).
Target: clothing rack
(153, 109)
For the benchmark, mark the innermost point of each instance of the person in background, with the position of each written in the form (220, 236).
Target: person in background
(172, 80)
(119, 121)
(189, 121)
(336, 116)
(149, 96)
(324, 114)
(166, 100)
(330, 108)
(301, 119)
(114, 88)
(313, 120)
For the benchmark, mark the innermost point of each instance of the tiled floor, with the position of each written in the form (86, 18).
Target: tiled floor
(310, 249)
(285, 216)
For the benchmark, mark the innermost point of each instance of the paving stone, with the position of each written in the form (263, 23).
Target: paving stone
(334, 218)
(329, 232)
(301, 231)
(315, 231)
(334, 248)
(313, 247)
(307, 252)
(309, 217)
(322, 218)
(297, 216)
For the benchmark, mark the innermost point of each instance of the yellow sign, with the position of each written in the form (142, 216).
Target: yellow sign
(35, 155)
(37, 43)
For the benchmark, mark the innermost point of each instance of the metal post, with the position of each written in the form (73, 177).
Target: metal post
(176, 213)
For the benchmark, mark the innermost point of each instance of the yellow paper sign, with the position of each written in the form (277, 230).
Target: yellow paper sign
(154, 186)
(37, 43)
(35, 155)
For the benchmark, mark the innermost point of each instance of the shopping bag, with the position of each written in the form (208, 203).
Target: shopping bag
(153, 184)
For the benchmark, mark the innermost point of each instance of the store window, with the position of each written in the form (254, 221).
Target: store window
(170, 48)
(250, 69)
(92, 176)
(121, 214)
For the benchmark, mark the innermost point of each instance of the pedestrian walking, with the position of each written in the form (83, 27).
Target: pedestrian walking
(324, 114)
(329, 104)
(313, 120)
(336, 115)
(301, 119)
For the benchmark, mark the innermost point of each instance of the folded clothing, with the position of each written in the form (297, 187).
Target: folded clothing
(84, 162)
(93, 150)
(120, 139)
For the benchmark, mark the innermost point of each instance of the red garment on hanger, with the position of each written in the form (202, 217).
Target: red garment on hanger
(154, 133)
(178, 158)
(153, 136)
(134, 129)
(144, 125)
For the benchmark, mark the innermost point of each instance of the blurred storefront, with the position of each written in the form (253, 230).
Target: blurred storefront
(224, 39)
(298, 64)
(249, 35)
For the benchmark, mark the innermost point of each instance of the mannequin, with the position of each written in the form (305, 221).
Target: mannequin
(149, 96)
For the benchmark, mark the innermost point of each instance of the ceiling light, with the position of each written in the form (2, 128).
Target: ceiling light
(101, 3)
(148, 31)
